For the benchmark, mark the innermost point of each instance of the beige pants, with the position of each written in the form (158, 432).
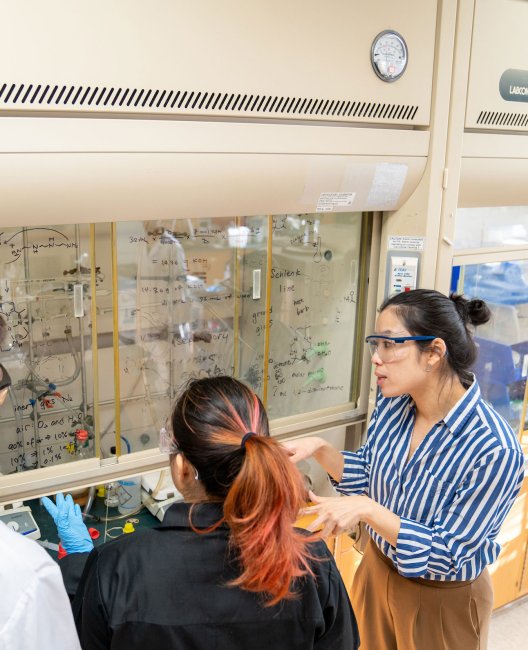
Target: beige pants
(396, 613)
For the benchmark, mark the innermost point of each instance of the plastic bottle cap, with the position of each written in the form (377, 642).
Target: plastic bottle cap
(128, 527)
(94, 533)
(81, 434)
(62, 552)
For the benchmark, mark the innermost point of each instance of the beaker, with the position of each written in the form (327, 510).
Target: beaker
(129, 494)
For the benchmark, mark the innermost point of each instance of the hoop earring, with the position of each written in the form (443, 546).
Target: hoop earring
(428, 368)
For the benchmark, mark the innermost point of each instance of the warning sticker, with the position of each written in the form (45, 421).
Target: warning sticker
(403, 243)
(334, 201)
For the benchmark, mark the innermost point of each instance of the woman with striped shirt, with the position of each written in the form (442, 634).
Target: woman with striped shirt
(437, 476)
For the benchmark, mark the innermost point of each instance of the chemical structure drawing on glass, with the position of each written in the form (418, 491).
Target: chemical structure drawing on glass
(19, 246)
(42, 270)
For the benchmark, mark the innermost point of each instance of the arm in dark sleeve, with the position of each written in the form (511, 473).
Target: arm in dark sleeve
(81, 576)
(72, 567)
(341, 631)
(90, 613)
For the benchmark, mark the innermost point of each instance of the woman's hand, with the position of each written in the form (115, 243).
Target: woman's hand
(338, 514)
(67, 516)
(327, 456)
(303, 448)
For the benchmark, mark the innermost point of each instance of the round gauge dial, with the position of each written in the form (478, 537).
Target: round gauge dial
(389, 55)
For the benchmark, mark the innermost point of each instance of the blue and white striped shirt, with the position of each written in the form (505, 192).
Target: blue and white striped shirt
(452, 495)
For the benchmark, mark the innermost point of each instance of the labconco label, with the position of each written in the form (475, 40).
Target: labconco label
(513, 85)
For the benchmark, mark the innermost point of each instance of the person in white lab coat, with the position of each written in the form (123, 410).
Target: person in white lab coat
(35, 611)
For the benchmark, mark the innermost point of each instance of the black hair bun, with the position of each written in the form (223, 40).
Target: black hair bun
(479, 312)
(474, 311)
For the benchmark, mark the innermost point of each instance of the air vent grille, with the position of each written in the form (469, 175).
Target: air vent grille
(506, 120)
(103, 98)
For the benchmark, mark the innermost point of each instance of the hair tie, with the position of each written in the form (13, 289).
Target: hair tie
(245, 438)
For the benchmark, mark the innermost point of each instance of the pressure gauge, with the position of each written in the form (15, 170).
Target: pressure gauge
(388, 55)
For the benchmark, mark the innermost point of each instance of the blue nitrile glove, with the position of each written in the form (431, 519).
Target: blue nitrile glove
(67, 516)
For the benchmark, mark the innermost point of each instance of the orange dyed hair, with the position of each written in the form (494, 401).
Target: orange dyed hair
(261, 489)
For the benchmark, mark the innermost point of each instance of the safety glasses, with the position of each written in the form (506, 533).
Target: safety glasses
(167, 444)
(389, 348)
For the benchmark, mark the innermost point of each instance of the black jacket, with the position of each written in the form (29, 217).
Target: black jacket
(166, 588)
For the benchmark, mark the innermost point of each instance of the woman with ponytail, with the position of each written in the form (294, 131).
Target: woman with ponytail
(227, 569)
(434, 482)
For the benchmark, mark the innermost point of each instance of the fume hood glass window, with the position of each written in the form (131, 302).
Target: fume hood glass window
(314, 291)
(45, 297)
(181, 287)
(193, 301)
(502, 364)
(271, 300)
(491, 227)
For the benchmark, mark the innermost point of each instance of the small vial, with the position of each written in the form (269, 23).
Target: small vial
(111, 498)
(82, 443)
